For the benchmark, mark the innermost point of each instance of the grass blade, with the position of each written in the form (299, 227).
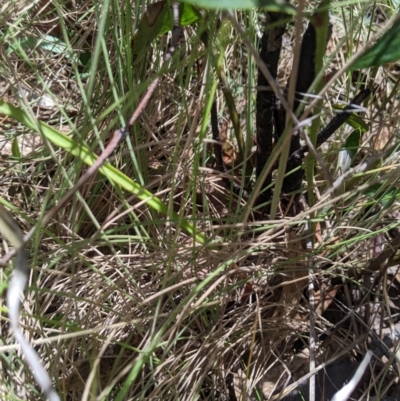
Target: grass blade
(113, 174)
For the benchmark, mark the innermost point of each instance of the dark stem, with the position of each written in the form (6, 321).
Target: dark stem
(305, 77)
(271, 44)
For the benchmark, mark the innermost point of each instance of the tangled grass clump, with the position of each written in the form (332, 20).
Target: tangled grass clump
(223, 237)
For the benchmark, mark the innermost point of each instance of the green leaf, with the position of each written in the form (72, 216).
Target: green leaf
(154, 21)
(385, 50)
(356, 122)
(270, 5)
(158, 20)
(15, 149)
(189, 14)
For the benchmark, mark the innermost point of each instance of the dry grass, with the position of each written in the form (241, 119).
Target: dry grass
(121, 303)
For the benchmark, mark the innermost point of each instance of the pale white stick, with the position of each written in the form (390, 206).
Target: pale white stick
(16, 288)
(344, 393)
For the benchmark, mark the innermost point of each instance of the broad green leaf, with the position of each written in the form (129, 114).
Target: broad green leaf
(270, 5)
(189, 14)
(114, 175)
(385, 50)
(157, 20)
(15, 148)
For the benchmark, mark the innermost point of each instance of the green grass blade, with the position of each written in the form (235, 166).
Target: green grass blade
(113, 174)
